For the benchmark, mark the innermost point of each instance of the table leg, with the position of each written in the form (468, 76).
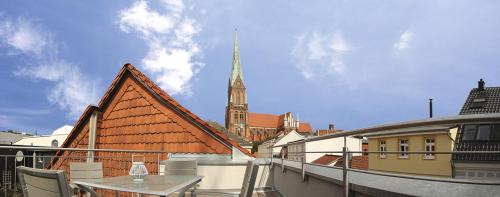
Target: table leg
(182, 193)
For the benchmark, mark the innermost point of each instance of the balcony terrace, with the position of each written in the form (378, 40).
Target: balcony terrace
(276, 176)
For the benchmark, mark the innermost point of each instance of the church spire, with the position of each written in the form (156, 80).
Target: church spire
(237, 71)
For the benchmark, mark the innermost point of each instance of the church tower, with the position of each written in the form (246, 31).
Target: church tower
(237, 106)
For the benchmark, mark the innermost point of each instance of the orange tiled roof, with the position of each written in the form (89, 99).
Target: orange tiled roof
(326, 159)
(136, 114)
(264, 120)
(305, 127)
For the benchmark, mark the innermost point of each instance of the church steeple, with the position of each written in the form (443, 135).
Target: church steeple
(236, 70)
(237, 106)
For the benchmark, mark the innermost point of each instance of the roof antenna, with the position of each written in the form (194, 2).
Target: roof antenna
(430, 108)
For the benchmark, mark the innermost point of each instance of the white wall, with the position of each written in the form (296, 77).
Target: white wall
(230, 176)
(290, 137)
(332, 144)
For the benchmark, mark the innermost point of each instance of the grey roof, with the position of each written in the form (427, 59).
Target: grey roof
(9, 137)
(491, 104)
(232, 136)
(411, 130)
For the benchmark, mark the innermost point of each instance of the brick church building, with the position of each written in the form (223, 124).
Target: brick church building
(254, 126)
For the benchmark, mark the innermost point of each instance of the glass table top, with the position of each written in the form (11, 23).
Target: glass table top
(152, 184)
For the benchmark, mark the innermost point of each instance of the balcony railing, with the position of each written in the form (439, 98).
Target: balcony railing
(477, 146)
(115, 162)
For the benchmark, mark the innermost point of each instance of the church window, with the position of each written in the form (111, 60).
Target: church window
(236, 117)
(238, 99)
(242, 119)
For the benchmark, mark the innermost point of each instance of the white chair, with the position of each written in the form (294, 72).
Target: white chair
(45, 183)
(85, 171)
(246, 189)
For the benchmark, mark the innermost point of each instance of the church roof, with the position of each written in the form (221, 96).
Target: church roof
(263, 120)
(236, 69)
(274, 121)
(305, 127)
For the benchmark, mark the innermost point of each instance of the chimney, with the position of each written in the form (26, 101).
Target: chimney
(430, 108)
(331, 127)
(480, 85)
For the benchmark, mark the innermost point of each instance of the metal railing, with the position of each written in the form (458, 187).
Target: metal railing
(348, 154)
(115, 162)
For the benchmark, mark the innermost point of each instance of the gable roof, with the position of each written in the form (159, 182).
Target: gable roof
(164, 99)
(482, 101)
(240, 140)
(326, 159)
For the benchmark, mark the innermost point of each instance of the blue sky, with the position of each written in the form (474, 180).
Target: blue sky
(352, 63)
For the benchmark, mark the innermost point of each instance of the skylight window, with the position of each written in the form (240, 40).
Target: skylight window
(469, 132)
(479, 101)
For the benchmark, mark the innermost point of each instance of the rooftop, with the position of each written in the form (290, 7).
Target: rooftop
(482, 100)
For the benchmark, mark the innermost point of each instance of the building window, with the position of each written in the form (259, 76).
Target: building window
(242, 119)
(382, 148)
(403, 148)
(430, 147)
(55, 144)
(483, 133)
(469, 132)
(236, 118)
(495, 133)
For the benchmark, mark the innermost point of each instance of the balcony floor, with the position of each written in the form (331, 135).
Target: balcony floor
(255, 194)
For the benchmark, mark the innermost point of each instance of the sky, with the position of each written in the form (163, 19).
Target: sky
(351, 63)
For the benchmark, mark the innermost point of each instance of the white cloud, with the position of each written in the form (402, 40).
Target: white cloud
(72, 90)
(24, 36)
(172, 50)
(404, 40)
(318, 54)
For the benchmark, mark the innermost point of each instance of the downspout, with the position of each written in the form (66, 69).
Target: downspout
(92, 135)
(454, 149)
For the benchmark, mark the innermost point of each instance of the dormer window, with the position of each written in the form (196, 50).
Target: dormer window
(55, 144)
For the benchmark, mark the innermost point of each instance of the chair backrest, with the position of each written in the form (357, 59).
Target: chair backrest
(181, 167)
(249, 179)
(43, 183)
(85, 171)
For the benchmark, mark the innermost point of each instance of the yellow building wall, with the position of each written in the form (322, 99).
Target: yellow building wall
(415, 163)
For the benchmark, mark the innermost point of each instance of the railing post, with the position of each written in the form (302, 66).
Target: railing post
(283, 162)
(34, 159)
(303, 170)
(3, 174)
(345, 177)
